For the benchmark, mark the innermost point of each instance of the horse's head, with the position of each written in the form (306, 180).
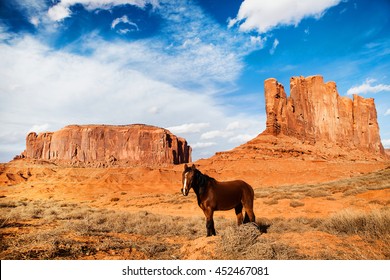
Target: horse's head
(188, 178)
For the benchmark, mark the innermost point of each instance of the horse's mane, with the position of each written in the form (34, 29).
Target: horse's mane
(203, 181)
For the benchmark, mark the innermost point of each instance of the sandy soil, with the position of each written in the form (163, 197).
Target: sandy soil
(285, 188)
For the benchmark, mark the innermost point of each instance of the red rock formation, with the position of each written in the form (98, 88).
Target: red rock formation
(103, 144)
(316, 112)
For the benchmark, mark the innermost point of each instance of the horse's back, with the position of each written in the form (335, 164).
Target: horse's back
(236, 187)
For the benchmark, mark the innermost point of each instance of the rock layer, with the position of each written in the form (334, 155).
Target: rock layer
(315, 112)
(99, 145)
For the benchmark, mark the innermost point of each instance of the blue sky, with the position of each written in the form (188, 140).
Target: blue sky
(196, 67)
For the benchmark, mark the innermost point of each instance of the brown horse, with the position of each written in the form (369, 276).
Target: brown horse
(213, 196)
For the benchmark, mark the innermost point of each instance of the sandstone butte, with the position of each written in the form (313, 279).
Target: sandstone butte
(316, 112)
(106, 145)
(315, 122)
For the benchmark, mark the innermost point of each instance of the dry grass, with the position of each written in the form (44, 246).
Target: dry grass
(57, 230)
(51, 229)
(348, 187)
(374, 225)
(296, 203)
(247, 242)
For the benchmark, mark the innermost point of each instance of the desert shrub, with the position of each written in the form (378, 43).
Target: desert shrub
(274, 250)
(262, 193)
(247, 242)
(296, 203)
(271, 201)
(283, 195)
(299, 224)
(354, 191)
(237, 240)
(8, 205)
(318, 192)
(375, 224)
(143, 223)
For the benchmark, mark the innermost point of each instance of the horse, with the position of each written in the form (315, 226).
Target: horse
(218, 196)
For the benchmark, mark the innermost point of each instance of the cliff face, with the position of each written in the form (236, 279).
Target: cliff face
(316, 112)
(99, 145)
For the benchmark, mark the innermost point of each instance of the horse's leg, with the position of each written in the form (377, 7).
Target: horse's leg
(209, 221)
(238, 210)
(249, 214)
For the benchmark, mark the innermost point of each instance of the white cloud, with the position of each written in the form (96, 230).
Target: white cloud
(154, 110)
(4, 34)
(367, 87)
(35, 21)
(39, 85)
(168, 80)
(125, 20)
(234, 125)
(274, 45)
(32, 9)
(262, 16)
(215, 133)
(202, 145)
(58, 12)
(191, 42)
(387, 112)
(258, 41)
(39, 128)
(61, 9)
(242, 138)
(55, 88)
(386, 143)
(188, 128)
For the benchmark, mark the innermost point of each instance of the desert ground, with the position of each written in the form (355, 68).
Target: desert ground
(305, 209)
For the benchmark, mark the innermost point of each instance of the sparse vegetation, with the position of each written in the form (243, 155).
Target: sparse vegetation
(296, 203)
(54, 229)
(43, 230)
(373, 225)
(47, 230)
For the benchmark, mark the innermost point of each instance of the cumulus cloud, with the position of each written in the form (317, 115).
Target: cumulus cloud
(234, 125)
(368, 87)
(58, 12)
(38, 85)
(61, 10)
(262, 16)
(234, 131)
(215, 133)
(202, 145)
(168, 80)
(242, 138)
(188, 128)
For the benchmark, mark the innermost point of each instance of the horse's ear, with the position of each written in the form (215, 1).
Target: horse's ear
(193, 167)
(185, 166)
